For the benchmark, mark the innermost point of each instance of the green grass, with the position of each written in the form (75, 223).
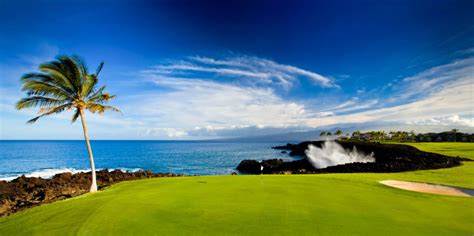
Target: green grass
(450, 149)
(329, 204)
(462, 176)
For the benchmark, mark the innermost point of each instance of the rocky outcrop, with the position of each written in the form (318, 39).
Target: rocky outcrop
(24, 192)
(388, 158)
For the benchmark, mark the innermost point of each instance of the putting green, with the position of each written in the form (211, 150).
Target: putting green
(326, 204)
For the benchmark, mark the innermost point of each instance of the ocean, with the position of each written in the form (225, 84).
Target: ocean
(46, 158)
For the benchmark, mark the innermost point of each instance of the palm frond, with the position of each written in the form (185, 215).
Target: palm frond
(99, 108)
(38, 101)
(89, 85)
(81, 65)
(96, 93)
(56, 70)
(63, 84)
(101, 98)
(49, 111)
(99, 69)
(76, 115)
(72, 71)
(52, 79)
(33, 87)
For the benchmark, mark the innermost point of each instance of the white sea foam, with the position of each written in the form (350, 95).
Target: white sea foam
(50, 172)
(332, 154)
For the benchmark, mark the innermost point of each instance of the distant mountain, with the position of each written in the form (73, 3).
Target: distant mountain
(299, 136)
(289, 137)
(312, 135)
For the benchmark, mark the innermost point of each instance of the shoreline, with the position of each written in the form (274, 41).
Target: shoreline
(49, 173)
(26, 192)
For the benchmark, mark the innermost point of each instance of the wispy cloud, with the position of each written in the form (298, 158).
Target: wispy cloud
(167, 132)
(199, 100)
(203, 97)
(433, 80)
(451, 120)
(189, 103)
(442, 91)
(259, 70)
(466, 51)
(202, 107)
(352, 105)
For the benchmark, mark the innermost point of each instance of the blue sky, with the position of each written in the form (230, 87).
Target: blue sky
(210, 69)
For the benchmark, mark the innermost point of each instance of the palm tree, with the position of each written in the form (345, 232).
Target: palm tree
(356, 134)
(412, 136)
(62, 85)
(322, 133)
(381, 135)
(338, 132)
(392, 135)
(454, 131)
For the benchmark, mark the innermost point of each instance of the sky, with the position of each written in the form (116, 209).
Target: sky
(217, 69)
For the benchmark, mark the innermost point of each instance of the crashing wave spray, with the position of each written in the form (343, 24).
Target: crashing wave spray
(332, 154)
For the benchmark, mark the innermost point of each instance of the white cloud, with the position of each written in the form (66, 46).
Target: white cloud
(434, 79)
(242, 131)
(192, 105)
(225, 71)
(451, 120)
(168, 132)
(198, 107)
(354, 105)
(443, 91)
(259, 70)
(466, 51)
(324, 114)
(202, 97)
(346, 104)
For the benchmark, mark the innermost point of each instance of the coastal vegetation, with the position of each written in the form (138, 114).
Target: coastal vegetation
(62, 85)
(403, 136)
(350, 204)
(411, 136)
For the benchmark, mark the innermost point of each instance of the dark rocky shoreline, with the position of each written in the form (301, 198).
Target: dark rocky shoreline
(389, 158)
(25, 192)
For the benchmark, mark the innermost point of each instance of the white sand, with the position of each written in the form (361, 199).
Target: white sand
(425, 188)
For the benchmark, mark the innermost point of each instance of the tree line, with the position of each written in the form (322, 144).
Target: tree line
(402, 136)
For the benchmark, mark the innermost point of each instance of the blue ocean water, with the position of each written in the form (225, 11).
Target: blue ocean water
(46, 158)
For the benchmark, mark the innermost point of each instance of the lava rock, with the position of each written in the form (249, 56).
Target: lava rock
(388, 158)
(24, 192)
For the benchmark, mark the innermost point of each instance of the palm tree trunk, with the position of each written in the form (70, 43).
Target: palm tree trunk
(89, 149)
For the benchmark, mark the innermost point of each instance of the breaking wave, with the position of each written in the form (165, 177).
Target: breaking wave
(333, 154)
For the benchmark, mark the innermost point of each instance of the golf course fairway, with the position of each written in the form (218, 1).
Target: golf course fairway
(324, 204)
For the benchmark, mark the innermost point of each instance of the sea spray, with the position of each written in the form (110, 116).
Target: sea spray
(331, 154)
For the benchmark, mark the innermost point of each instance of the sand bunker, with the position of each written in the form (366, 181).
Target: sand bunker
(429, 188)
